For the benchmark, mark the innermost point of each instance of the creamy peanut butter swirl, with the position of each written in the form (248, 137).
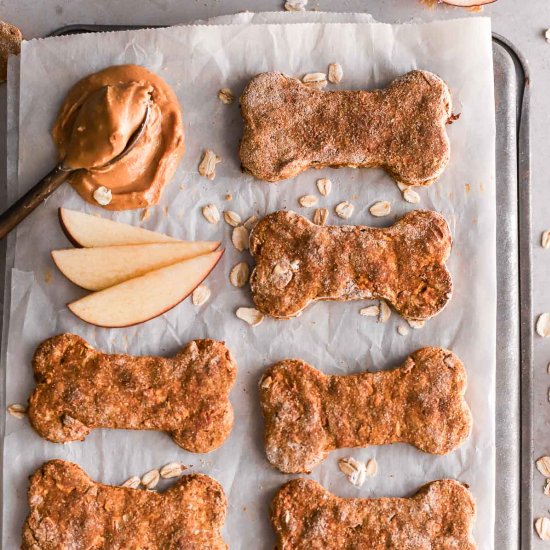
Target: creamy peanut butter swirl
(99, 116)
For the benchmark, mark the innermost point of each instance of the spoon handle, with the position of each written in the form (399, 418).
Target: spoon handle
(21, 208)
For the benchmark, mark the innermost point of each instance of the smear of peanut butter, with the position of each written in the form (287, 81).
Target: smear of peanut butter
(96, 120)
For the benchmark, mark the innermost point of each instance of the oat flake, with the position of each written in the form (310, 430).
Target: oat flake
(211, 213)
(543, 325)
(150, 479)
(542, 526)
(132, 482)
(320, 216)
(543, 465)
(225, 95)
(380, 209)
(295, 5)
(403, 330)
(545, 239)
(307, 201)
(250, 223)
(344, 210)
(385, 312)
(250, 315)
(207, 166)
(17, 410)
(232, 218)
(410, 195)
(240, 238)
(370, 311)
(324, 185)
(318, 81)
(174, 469)
(200, 295)
(239, 275)
(335, 73)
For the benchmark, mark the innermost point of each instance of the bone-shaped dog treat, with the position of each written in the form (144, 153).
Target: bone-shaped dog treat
(308, 414)
(440, 516)
(289, 127)
(298, 262)
(79, 388)
(70, 510)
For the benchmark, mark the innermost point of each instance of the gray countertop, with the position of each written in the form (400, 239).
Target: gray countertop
(521, 21)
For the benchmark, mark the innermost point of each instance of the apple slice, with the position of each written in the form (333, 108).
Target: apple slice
(105, 266)
(146, 297)
(468, 3)
(85, 230)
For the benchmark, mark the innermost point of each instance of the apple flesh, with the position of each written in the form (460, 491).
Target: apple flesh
(468, 3)
(146, 297)
(85, 230)
(102, 267)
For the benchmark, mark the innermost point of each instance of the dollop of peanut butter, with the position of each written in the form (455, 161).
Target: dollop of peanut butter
(98, 117)
(105, 123)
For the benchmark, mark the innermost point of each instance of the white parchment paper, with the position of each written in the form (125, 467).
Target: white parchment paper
(197, 61)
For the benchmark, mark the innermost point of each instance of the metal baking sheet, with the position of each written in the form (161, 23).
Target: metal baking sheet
(513, 436)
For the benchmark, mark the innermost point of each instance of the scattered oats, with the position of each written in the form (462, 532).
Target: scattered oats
(542, 526)
(545, 239)
(410, 195)
(320, 216)
(355, 471)
(239, 275)
(240, 238)
(416, 324)
(146, 214)
(229, 197)
(543, 465)
(150, 479)
(296, 5)
(225, 95)
(344, 210)
(543, 325)
(370, 311)
(372, 467)
(250, 223)
(325, 186)
(307, 201)
(232, 218)
(335, 73)
(207, 166)
(380, 208)
(200, 295)
(211, 213)
(250, 315)
(403, 330)
(174, 469)
(103, 196)
(547, 35)
(132, 482)
(17, 410)
(547, 488)
(385, 312)
(318, 81)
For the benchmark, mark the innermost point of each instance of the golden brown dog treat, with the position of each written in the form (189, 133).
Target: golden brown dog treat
(440, 516)
(298, 262)
(70, 510)
(308, 414)
(79, 389)
(10, 44)
(290, 127)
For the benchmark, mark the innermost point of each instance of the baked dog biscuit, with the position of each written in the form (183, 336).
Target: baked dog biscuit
(308, 414)
(79, 389)
(290, 127)
(68, 510)
(440, 516)
(298, 262)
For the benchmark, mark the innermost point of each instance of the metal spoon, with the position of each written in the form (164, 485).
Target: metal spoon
(35, 196)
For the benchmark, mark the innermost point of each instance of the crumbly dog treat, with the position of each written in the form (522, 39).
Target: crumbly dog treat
(79, 389)
(299, 262)
(290, 127)
(10, 44)
(70, 510)
(308, 414)
(440, 516)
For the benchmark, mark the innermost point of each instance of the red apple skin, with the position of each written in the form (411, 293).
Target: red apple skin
(221, 252)
(466, 4)
(70, 238)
